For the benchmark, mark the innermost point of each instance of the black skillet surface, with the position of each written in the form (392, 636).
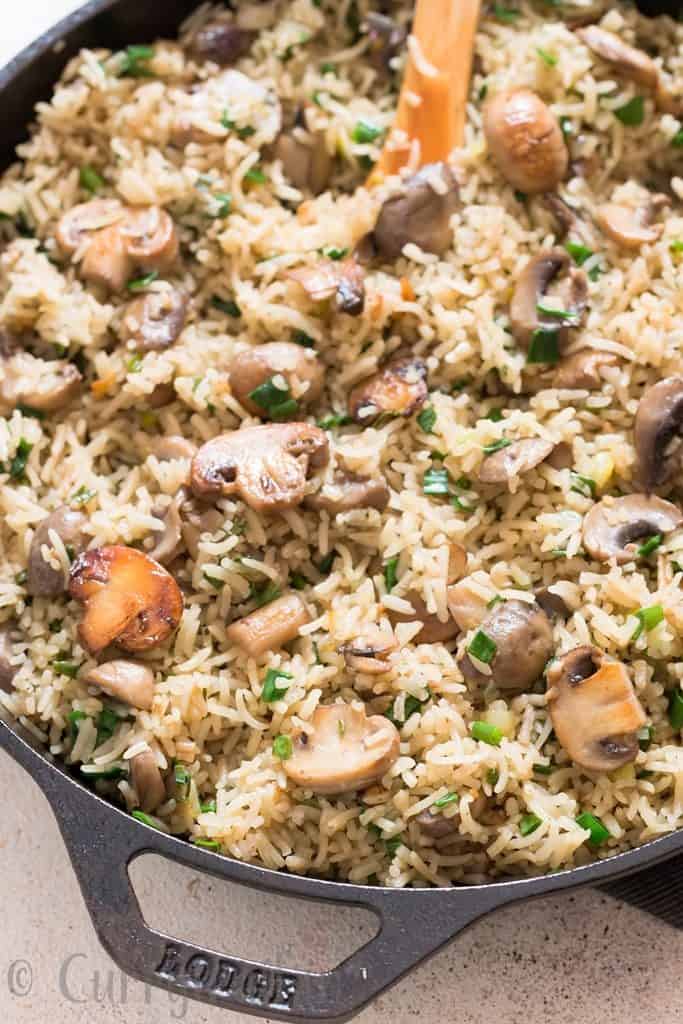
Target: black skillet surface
(413, 923)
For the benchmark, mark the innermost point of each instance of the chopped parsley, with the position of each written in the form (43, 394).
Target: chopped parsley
(411, 704)
(224, 199)
(528, 824)
(544, 769)
(242, 132)
(632, 113)
(544, 347)
(508, 15)
(584, 485)
(325, 564)
(275, 401)
(74, 718)
(134, 364)
(106, 724)
(264, 593)
(331, 252)
(482, 647)
(677, 140)
(578, 252)
(335, 419)
(303, 339)
(135, 61)
(27, 410)
(17, 468)
(82, 496)
(89, 179)
(427, 419)
(390, 573)
(271, 691)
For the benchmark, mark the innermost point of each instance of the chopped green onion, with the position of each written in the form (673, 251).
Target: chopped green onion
(303, 339)
(496, 415)
(505, 14)
(648, 619)
(392, 845)
(632, 113)
(209, 807)
(544, 769)
(243, 132)
(481, 95)
(282, 747)
(650, 545)
(496, 446)
(584, 485)
(271, 691)
(390, 573)
(54, 625)
(364, 132)
(494, 601)
(66, 668)
(82, 496)
(21, 577)
(677, 245)
(435, 481)
(528, 824)
(227, 306)
(27, 410)
(331, 252)
(492, 776)
(214, 581)
(73, 718)
(255, 176)
(427, 419)
(106, 724)
(138, 284)
(678, 139)
(579, 252)
(444, 801)
(545, 310)
(520, 196)
(482, 647)
(135, 61)
(225, 200)
(206, 844)
(544, 347)
(325, 564)
(676, 709)
(549, 59)
(327, 68)
(145, 819)
(110, 772)
(486, 733)
(460, 384)
(18, 464)
(598, 833)
(335, 419)
(181, 774)
(89, 179)
(134, 364)
(297, 581)
(276, 402)
(645, 737)
(264, 593)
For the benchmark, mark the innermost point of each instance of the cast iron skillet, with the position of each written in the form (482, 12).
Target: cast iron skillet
(413, 923)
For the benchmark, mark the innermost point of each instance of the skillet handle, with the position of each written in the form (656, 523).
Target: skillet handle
(657, 890)
(102, 842)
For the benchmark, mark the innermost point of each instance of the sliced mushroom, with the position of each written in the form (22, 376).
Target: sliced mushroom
(628, 227)
(155, 320)
(209, 522)
(569, 221)
(151, 238)
(128, 598)
(658, 423)
(222, 42)
(594, 710)
(78, 223)
(173, 447)
(369, 651)
(518, 458)
(345, 751)
(613, 525)
(308, 166)
(419, 214)
(436, 826)
(267, 466)
(552, 604)
(148, 781)
(562, 456)
(582, 369)
(399, 389)
(525, 140)
(163, 394)
(169, 541)
(270, 627)
(301, 372)
(42, 580)
(630, 62)
(37, 384)
(131, 682)
(347, 492)
(466, 604)
(523, 638)
(433, 631)
(7, 669)
(386, 39)
(341, 279)
(530, 291)
(106, 260)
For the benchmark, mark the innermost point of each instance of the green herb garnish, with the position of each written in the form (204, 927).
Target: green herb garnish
(135, 60)
(264, 593)
(427, 419)
(648, 619)
(528, 824)
(335, 419)
(276, 402)
(676, 709)
(598, 833)
(496, 446)
(17, 468)
(271, 691)
(508, 15)
(582, 485)
(444, 801)
(89, 179)
(645, 737)
(482, 647)
(390, 573)
(255, 176)
(435, 481)
(66, 668)
(303, 339)
(227, 306)
(549, 59)
(632, 113)
(365, 132)
(544, 347)
(134, 364)
(331, 252)
(82, 496)
(139, 284)
(106, 724)
(484, 732)
(206, 844)
(145, 819)
(282, 747)
(650, 545)
(74, 718)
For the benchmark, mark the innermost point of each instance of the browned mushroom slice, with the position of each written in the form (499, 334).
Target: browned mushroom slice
(168, 543)
(627, 60)
(42, 580)
(522, 636)
(155, 320)
(419, 214)
(347, 492)
(569, 221)
(531, 292)
(148, 782)
(613, 525)
(150, 237)
(127, 681)
(369, 651)
(128, 598)
(341, 279)
(398, 389)
(433, 631)
(631, 228)
(306, 165)
(267, 466)
(345, 751)
(594, 710)
(466, 604)
(8, 669)
(270, 627)
(552, 604)
(658, 424)
(107, 260)
(525, 140)
(386, 39)
(436, 826)
(37, 384)
(222, 42)
(173, 447)
(163, 394)
(300, 369)
(518, 458)
(80, 221)
(582, 369)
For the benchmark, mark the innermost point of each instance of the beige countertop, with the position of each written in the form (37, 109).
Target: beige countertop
(578, 959)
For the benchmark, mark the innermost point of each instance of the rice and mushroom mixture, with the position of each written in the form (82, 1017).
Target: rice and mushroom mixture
(339, 522)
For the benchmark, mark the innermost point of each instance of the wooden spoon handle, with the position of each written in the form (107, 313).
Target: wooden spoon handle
(432, 105)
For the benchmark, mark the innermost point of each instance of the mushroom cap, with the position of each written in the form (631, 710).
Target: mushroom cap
(345, 751)
(518, 458)
(129, 681)
(342, 279)
(270, 627)
(658, 421)
(628, 227)
(222, 42)
(629, 61)
(128, 598)
(308, 166)
(148, 781)
(523, 635)
(369, 651)
(385, 37)
(613, 525)
(254, 366)
(398, 388)
(347, 492)
(106, 260)
(466, 604)
(169, 541)
(78, 222)
(150, 237)
(525, 140)
(419, 214)
(155, 320)
(37, 383)
(267, 466)
(433, 631)
(582, 369)
(41, 579)
(594, 710)
(532, 285)
(173, 446)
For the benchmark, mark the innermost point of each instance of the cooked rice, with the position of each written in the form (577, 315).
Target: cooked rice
(452, 311)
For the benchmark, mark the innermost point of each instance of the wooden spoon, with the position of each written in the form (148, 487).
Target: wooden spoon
(432, 104)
